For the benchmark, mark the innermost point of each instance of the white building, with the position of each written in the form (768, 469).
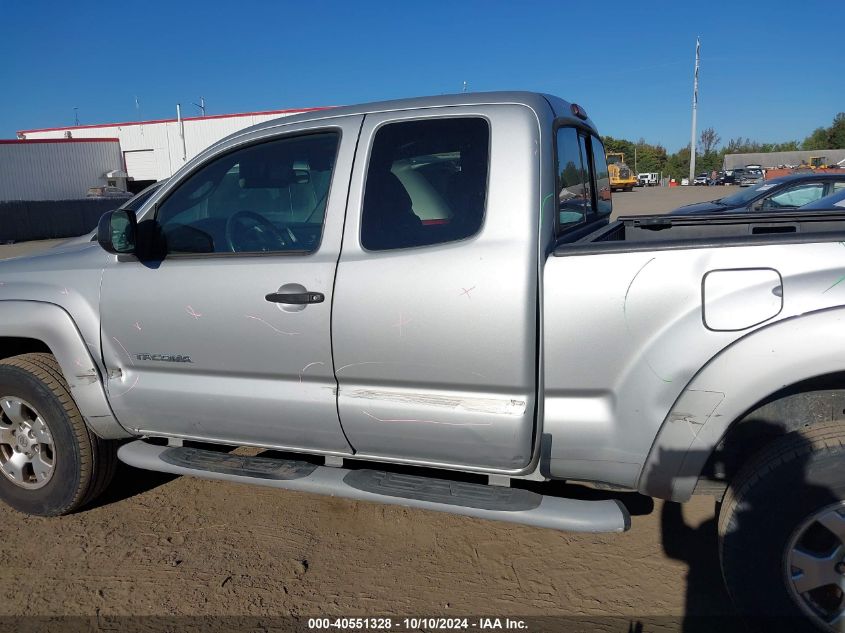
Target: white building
(153, 150)
(58, 169)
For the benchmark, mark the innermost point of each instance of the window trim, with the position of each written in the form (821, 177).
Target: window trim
(369, 156)
(594, 215)
(154, 216)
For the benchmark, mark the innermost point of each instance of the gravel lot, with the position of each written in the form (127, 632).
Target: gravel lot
(645, 200)
(158, 545)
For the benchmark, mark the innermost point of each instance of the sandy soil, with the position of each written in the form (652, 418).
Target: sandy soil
(163, 546)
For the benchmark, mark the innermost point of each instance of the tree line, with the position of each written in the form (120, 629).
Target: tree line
(710, 152)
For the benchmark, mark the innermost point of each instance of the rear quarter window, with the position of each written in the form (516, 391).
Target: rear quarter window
(426, 183)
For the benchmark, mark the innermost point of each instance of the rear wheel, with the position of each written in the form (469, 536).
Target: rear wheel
(782, 532)
(50, 463)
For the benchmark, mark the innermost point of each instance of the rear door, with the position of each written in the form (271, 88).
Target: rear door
(435, 312)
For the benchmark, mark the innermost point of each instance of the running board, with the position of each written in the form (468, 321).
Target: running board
(514, 505)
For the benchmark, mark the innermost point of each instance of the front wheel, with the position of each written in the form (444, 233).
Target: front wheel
(50, 463)
(782, 532)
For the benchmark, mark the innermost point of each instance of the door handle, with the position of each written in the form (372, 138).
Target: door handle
(296, 298)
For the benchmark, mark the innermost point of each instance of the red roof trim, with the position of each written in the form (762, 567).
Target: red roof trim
(29, 141)
(187, 118)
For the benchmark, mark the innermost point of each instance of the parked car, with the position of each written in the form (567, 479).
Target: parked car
(750, 176)
(684, 182)
(701, 179)
(107, 191)
(399, 299)
(778, 194)
(725, 177)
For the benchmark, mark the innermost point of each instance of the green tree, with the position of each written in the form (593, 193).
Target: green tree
(836, 134)
(677, 166)
(709, 141)
(816, 140)
(648, 157)
(570, 175)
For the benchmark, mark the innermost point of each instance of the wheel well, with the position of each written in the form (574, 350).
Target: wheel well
(13, 345)
(796, 406)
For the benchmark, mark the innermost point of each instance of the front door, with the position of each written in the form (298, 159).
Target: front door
(227, 338)
(435, 314)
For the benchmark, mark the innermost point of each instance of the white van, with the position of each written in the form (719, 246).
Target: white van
(648, 179)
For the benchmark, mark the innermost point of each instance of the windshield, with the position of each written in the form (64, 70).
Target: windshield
(747, 195)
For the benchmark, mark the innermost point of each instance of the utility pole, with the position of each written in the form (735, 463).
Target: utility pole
(635, 161)
(181, 125)
(694, 111)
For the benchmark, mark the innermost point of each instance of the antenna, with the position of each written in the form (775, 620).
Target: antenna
(76, 117)
(138, 114)
(201, 106)
(694, 111)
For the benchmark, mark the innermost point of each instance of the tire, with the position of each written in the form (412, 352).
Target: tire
(768, 515)
(82, 463)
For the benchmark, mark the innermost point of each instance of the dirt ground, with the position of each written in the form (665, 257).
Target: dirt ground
(157, 545)
(645, 200)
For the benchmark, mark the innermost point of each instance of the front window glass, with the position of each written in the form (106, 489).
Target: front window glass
(138, 201)
(269, 197)
(794, 197)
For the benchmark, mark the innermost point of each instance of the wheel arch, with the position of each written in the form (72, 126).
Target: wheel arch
(748, 394)
(32, 326)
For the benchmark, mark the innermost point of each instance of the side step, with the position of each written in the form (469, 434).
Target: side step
(514, 505)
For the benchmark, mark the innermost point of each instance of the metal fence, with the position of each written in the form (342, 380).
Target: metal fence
(22, 220)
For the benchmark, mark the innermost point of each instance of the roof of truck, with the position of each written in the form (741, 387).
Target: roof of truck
(534, 100)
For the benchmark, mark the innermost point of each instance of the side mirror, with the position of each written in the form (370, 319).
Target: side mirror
(117, 230)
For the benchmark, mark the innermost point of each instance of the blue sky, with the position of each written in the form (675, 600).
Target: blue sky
(771, 71)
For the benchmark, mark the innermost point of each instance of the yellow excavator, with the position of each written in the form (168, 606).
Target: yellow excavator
(621, 176)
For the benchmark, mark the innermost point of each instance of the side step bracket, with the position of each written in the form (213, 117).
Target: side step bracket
(498, 503)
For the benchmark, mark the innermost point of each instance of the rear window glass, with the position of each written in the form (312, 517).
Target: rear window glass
(426, 183)
(573, 178)
(604, 202)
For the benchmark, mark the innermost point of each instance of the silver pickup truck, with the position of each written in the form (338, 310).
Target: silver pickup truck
(425, 303)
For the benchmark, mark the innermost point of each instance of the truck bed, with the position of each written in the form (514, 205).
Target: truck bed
(666, 232)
